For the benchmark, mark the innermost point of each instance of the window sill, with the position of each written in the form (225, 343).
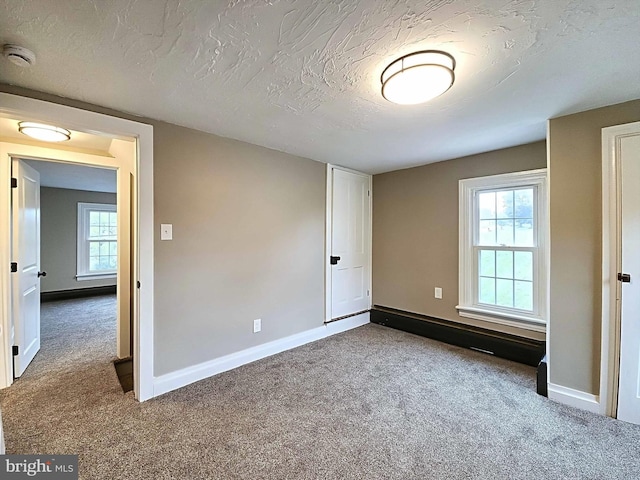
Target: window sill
(96, 276)
(509, 319)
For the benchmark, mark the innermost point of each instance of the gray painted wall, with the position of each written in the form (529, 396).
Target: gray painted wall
(575, 163)
(58, 237)
(415, 230)
(248, 243)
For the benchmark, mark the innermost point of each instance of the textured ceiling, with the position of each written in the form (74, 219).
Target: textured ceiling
(302, 76)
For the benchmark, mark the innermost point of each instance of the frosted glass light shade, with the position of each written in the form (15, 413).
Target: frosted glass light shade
(418, 77)
(46, 133)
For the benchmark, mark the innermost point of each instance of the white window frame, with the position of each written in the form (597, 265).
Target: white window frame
(468, 264)
(82, 264)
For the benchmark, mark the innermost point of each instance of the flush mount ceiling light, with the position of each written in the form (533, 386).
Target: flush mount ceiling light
(418, 77)
(46, 133)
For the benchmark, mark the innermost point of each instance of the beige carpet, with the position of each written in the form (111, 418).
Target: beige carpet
(372, 403)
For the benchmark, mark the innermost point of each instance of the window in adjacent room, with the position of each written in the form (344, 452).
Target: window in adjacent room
(97, 241)
(503, 231)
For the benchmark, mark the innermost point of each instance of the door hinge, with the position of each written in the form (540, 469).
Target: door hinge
(367, 293)
(368, 193)
(16, 350)
(14, 267)
(138, 284)
(14, 182)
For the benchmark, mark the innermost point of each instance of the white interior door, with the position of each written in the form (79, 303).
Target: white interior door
(629, 380)
(350, 243)
(25, 251)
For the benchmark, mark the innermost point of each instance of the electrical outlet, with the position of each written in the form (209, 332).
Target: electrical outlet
(257, 325)
(438, 292)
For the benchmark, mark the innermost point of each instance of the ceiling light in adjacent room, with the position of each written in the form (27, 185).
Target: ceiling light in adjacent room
(46, 133)
(418, 77)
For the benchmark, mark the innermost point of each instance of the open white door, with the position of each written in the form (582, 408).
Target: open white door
(25, 252)
(629, 379)
(350, 242)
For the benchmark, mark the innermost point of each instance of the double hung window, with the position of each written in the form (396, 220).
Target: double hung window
(97, 241)
(503, 230)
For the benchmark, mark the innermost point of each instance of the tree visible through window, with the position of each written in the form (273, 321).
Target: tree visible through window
(502, 254)
(97, 239)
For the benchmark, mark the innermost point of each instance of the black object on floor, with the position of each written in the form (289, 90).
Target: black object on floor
(124, 369)
(541, 378)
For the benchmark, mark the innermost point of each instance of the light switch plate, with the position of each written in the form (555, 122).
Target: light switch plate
(438, 292)
(166, 231)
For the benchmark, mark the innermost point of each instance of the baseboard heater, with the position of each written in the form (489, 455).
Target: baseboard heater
(77, 293)
(511, 347)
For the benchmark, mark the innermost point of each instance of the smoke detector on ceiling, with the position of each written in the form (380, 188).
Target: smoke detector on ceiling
(23, 57)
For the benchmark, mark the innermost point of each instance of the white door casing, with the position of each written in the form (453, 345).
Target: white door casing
(26, 254)
(620, 344)
(349, 238)
(17, 107)
(629, 379)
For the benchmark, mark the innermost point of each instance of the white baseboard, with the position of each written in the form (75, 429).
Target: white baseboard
(574, 398)
(174, 380)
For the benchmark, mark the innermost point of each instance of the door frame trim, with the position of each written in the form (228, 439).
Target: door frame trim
(25, 108)
(611, 264)
(328, 234)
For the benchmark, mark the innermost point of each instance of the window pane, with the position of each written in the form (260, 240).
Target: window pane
(524, 203)
(94, 218)
(94, 248)
(113, 248)
(104, 248)
(523, 266)
(487, 293)
(94, 231)
(112, 262)
(505, 232)
(524, 217)
(523, 295)
(504, 264)
(504, 204)
(113, 231)
(487, 205)
(104, 263)
(524, 233)
(104, 218)
(504, 293)
(112, 218)
(94, 262)
(487, 234)
(487, 263)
